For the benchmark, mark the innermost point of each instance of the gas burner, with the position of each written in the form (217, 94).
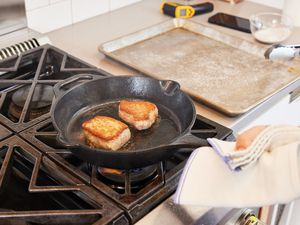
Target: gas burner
(14, 112)
(40, 102)
(41, 98)
(116, 179)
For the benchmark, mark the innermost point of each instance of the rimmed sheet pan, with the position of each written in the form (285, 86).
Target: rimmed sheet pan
(222, 71)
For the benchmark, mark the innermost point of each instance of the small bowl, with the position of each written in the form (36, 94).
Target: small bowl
(271, 28)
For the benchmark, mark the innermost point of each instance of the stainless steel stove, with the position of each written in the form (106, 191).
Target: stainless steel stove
(42, 182)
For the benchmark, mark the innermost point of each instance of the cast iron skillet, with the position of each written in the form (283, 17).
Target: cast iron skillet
(100, 96)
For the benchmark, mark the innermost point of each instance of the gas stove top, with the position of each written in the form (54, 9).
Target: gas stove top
(42, 182)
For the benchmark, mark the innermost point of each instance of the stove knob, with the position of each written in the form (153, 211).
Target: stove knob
(253, 220)
(244, 217)
(248, 217)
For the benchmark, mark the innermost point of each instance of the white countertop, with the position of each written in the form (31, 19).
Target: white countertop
(82, 40)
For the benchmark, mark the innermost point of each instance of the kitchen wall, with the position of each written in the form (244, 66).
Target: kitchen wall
(272, 3)
(48, 15)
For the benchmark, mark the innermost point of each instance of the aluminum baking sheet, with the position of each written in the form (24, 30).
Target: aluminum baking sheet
(225, 72)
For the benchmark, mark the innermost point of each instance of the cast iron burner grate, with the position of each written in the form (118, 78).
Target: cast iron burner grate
(26, 84)
(37, 191)
(4, 132)
(136, 201)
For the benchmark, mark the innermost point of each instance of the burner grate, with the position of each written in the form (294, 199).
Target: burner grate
(26, 84)
(4, 132)
(36, 190)
(136, 203)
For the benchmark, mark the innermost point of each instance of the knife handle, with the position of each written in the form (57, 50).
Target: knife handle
(203, 8)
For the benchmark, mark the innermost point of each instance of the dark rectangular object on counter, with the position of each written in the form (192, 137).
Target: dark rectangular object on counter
(230, 21)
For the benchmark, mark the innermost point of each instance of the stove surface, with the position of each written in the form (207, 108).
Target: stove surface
(58, 187)
(33, 189)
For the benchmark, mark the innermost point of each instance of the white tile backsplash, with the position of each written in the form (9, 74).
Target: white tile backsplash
(55, 1)
(51, 17)
(82, 10)
(273, 3)
(47, 15)
(115, 4)
(34, 4)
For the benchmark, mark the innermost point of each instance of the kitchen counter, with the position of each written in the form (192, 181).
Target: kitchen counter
(82, 40)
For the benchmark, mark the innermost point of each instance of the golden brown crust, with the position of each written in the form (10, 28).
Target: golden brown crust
(138, 109)
(104, 127)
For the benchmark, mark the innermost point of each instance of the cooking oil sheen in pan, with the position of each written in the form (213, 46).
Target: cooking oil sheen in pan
(163, 131)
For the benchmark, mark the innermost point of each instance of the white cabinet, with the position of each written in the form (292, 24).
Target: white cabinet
(283, 112)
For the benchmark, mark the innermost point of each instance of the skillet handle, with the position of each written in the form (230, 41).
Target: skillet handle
(169, 87)
(57, 89)
(189, 140)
